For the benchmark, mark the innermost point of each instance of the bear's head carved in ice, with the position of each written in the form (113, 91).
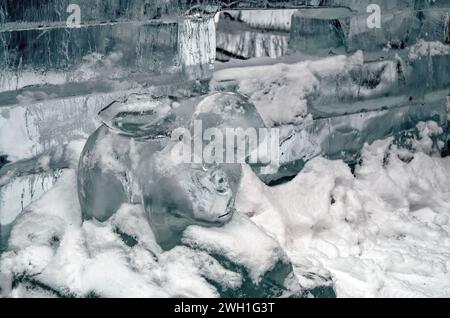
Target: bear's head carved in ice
(130, 159)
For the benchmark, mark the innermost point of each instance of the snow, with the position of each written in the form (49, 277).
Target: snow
(230, 241)
(50, 244)
(428, 48)
(426, 130)
(268, 87)
(382, 232)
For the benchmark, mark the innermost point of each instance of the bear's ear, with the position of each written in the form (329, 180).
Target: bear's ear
(233, 109)
(140, 116)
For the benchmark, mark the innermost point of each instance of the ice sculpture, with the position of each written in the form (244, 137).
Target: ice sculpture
(129, 159)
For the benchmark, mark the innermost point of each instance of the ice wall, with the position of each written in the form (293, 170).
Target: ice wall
(315, 29)
(32, 128)
(343, 136)
(402, 23)
(399, 29)
(92, 10)
(111, 10)
(111, 51)
(334, 105)
(65, 75)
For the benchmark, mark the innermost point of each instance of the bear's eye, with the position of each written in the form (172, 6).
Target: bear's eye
(219, 180)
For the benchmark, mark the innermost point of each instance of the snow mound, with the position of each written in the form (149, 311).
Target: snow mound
(52, 253)
(383, 231)
(428, 48)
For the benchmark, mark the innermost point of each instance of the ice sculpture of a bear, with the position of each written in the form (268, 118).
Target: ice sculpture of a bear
(129, 160)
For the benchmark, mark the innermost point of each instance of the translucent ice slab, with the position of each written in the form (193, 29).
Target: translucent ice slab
(35, 55)
(343, 136)
(91, 11)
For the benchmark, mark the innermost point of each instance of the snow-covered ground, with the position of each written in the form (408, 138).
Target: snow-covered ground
(382, 231)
